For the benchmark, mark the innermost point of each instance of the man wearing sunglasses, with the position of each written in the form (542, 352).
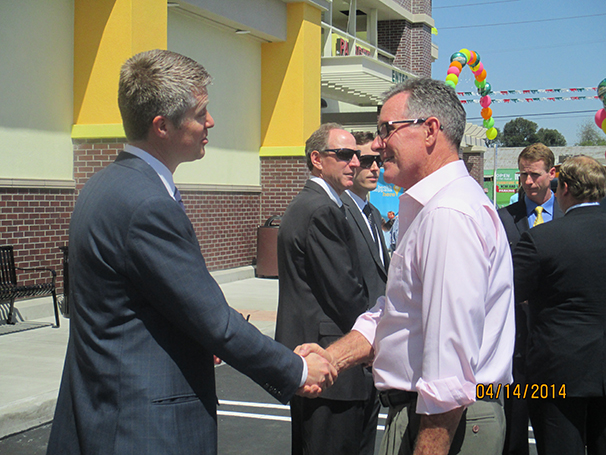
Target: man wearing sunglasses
(322, 292)
(365, 222)
(446, 323)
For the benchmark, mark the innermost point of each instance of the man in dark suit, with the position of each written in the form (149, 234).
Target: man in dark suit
(536, 205)
(365, 219)
(365, 222)
(322, 292)
(559, 269)
(146, 316)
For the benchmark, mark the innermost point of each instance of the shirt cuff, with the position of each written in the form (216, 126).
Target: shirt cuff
(304, 373)
(443, 395)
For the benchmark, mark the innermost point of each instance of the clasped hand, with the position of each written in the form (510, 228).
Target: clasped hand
(321, 372)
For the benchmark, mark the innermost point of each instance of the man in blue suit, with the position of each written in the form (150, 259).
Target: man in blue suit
(147, 317)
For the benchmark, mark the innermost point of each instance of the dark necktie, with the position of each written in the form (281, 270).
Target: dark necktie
(178, 198)
(373, 226)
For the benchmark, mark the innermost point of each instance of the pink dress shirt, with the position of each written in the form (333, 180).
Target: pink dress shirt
(446, 322)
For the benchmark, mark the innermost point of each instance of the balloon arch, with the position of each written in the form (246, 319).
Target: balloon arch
(458, 60)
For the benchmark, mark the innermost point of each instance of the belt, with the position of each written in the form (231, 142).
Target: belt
(394, 397)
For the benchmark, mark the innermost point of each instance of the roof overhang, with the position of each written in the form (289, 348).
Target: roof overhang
(358, 79)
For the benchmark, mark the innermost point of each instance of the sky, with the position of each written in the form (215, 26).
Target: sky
(527, 45)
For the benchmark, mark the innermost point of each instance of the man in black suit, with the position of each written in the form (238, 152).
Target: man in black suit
(365, 222)
(536, 205)
(146, 317)
(559, 269)
(365, 219)
(322, 292)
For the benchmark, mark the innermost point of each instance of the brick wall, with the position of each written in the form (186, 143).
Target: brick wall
(226, 226)
(281, 180)
(410, 43)
(36, 222)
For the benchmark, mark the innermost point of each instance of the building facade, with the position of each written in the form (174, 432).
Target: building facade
(279, 68)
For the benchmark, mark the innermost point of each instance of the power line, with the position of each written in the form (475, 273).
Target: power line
(521, 22)
(475, 4)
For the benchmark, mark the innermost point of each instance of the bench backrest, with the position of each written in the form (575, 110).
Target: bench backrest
(8, 275)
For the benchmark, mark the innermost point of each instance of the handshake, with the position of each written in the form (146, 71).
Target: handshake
(321, 370)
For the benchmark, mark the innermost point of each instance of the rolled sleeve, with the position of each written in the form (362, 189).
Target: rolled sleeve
(443, 395)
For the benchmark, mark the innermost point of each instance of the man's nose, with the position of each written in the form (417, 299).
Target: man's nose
(355, 162)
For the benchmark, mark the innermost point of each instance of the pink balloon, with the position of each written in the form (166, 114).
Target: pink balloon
(479, 68)
(600, 116)
(485, 101)
(453, 70)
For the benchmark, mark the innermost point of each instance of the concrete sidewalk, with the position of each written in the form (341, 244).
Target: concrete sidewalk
(31, 361)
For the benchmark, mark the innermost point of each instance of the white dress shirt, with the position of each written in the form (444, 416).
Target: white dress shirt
(446, 322)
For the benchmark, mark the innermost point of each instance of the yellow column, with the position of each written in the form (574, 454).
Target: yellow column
(106, 34)
(290, 87)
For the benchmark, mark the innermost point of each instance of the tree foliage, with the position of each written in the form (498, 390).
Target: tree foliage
(589, 135)
(519, 133)
(551, 138)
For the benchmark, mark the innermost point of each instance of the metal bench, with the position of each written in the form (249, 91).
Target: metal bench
(11, 290)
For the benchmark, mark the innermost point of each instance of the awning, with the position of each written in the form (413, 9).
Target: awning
(358, 79)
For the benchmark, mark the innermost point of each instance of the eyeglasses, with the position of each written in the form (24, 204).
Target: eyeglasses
(386, 128)
(367, 160)
(343, 154)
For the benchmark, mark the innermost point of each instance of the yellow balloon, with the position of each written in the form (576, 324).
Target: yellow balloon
(604, 125)
(491, 133)
(453, 78)
(466, 53)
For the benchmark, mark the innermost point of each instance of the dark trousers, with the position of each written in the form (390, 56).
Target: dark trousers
(333, 427)
(516, 415)
(564, 426)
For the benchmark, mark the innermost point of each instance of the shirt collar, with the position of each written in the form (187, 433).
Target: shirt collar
(165, 175)
(329, 190)
(547, 206)
(424, 190)
(582, 204)
(361, 203)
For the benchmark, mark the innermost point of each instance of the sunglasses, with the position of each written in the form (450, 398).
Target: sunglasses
(386, 128)
(367, 160)
(344, 154)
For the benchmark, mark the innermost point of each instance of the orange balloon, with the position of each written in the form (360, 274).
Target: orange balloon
(486, 113)
(472, 60)
(457, 64)
(480, 77)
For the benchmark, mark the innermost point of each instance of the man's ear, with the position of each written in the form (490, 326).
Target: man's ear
(433, 127)
(316, 160)
(160, 126)
(552, 173)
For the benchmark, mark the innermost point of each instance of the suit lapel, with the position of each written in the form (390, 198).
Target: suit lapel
(520, 218)
(354, 212)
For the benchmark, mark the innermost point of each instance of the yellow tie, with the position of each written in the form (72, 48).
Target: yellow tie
(539, 219)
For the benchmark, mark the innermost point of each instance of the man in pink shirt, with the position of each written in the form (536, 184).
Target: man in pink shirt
(445, 327)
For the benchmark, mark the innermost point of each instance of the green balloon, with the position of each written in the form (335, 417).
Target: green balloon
(488, 123)
(486, 89)
(479, 84)
(602, 91)
(451, 84)
(477, 62)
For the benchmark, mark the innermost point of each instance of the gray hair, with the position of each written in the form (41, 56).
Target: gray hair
(319, 140)
(431, 98)
(158, 82)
